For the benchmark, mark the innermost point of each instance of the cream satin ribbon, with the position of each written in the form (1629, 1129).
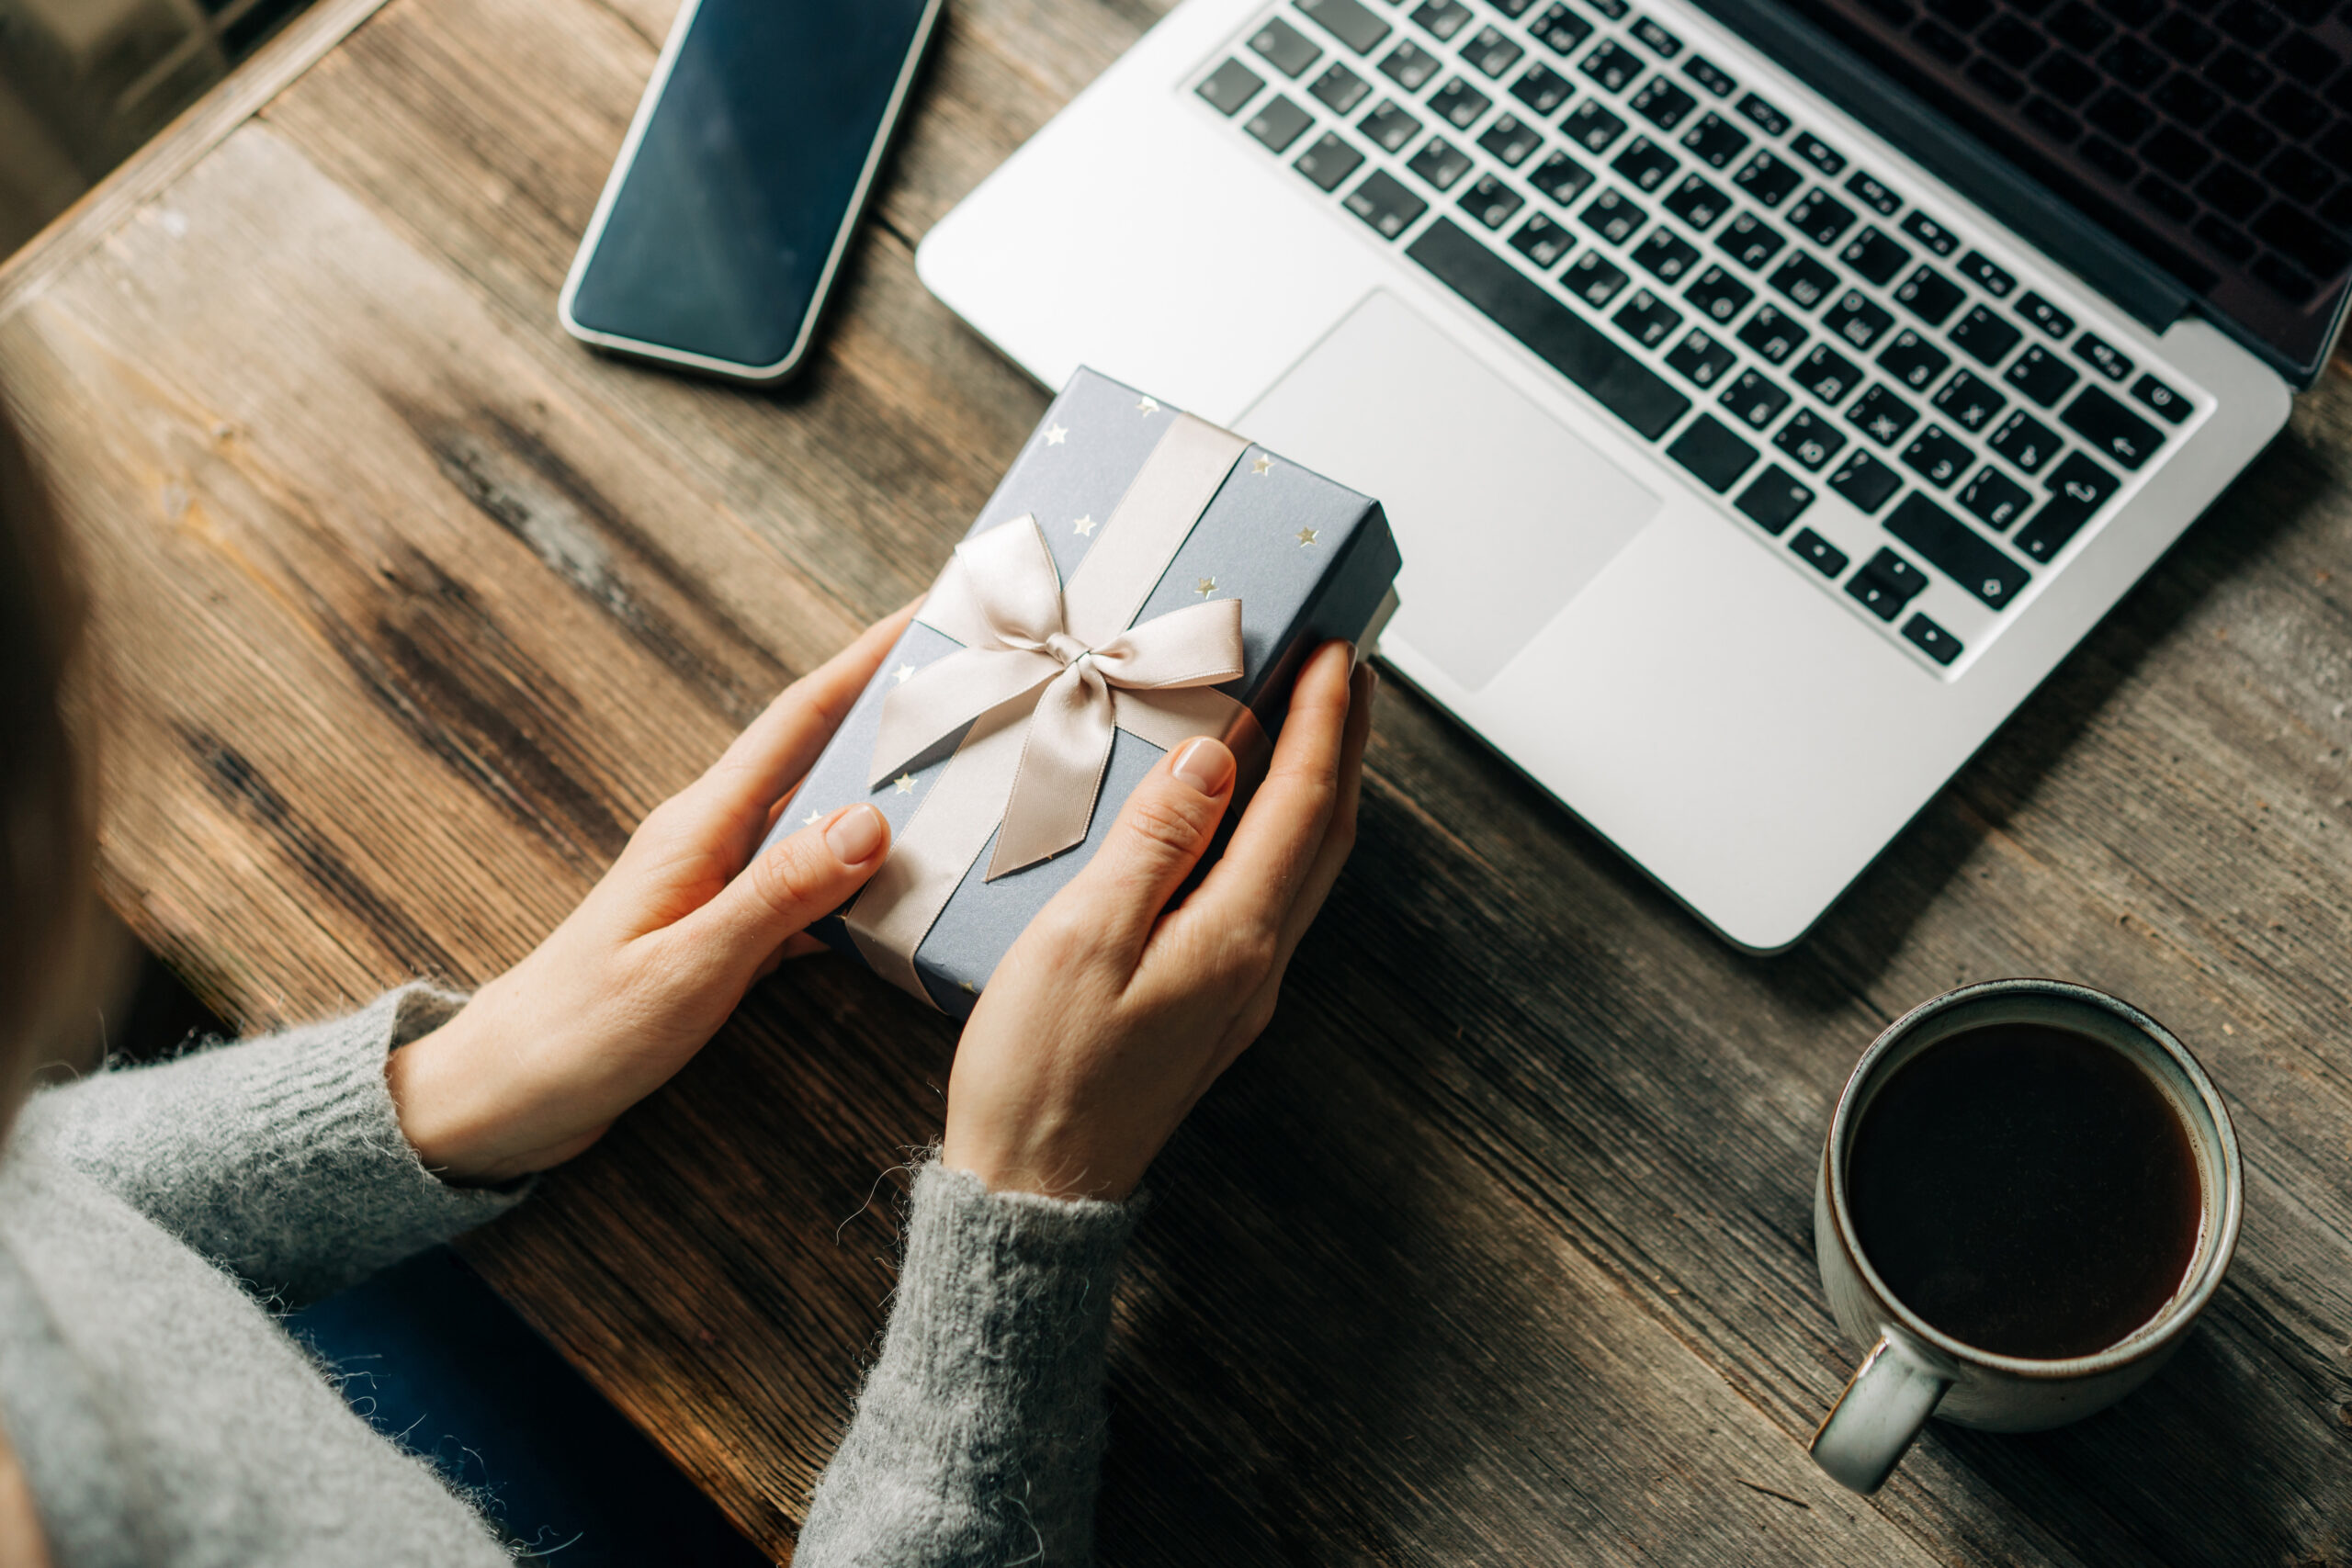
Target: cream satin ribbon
(1045, 674)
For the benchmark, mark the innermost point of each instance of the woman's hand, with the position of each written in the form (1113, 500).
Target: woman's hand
(1109, 1017)
(644, 971)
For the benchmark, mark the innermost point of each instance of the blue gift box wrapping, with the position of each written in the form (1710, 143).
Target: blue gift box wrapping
(1308, 559)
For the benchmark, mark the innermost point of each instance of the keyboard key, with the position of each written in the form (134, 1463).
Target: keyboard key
(1655, 39)
(1827, 375)
(2169, 405)
(1913, 360)
(1930, 234)
(1773, 334)
(1510, 140)
(1284, 48)
(1338, 89)
(1459, 103)
(2078, 488)
(1821, 217)
(1810, 439)
(2102, 356)
(1595, 279)
(1557, 335)
(1663, 103)
(1542, 89)
(1995, 498)
(1984, 337)
(1938, 457)
(1560, 29)
(1612, 65)
(1615, 10)
(1490, 201)
(1347, 21)
(1718, 294)
(1930, 296)
(1979, 270)
(1442, 19)
(1710, 450)
(2025, 441)
(2042, 376)
(1749, 241)
(2112, 430)
(1716, 139)
(1865, 481)
(1710, 76)
(1766, 181)
(1776, 498)
(1805, 280)
(1665, 255)
(1957, 550)
(1329, 161)
(1820, 153)
(1492, 52)
(1932, 639)
(1697, 203)
(1646, 164)
(1876, 258)
(1880, 199)
(1561, 177)
(1389, 125)
(1229, 86)
(1970, 402)
(2045, 315)
(1858, 320)
(1441, 163)
(1278, 123)
(1612, 217)
(1542, 241)
(1700, 358)
(1646, 318)
(1774, 122)
(1514, 9)
(1410, 66)
(1756, 400)
(1880, 416)
(1818, 553)
(1591, 127)
(1382, 201)
(1885, 583)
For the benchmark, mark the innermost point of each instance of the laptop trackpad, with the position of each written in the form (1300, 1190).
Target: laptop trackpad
(1502, 514)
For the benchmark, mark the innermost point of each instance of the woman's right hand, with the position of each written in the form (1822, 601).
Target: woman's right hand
(1113, 1014)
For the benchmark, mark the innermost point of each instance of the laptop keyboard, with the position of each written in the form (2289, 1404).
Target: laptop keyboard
(1786, 325)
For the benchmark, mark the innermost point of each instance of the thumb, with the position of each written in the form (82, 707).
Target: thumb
(791, 883)
(1159, 837)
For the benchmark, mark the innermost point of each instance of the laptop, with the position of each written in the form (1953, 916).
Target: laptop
(1766, 396)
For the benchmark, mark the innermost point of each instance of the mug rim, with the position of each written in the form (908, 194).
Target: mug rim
(2182, 1312)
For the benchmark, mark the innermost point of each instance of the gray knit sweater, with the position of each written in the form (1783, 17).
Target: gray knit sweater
(153, 1220)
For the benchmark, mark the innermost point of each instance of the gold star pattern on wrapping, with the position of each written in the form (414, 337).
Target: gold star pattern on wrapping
(906, 782)
(1084, 526)
(904, 673)
(812, 820)
(1206, 586)
(1056, 434)
(1261, 465)
(1307, 537)
(969, 986)
(1148, 407)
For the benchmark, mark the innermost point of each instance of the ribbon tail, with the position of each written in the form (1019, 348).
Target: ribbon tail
(1068, 747)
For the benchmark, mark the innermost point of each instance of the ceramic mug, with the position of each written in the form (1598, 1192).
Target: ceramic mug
(1913, 1369)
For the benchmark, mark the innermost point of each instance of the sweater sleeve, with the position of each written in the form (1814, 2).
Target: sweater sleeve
(978, 1437)
(280, 1157)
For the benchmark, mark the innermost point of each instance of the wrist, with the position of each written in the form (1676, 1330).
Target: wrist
(441, 1094)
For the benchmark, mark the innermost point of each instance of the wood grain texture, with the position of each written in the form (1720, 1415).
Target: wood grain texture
(1497, 1249)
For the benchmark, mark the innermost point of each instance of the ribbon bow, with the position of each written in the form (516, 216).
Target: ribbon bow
(1001, 597)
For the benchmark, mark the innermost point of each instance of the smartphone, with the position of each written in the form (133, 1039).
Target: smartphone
(734, 198)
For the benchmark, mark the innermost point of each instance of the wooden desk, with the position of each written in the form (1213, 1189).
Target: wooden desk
(1497, 1248)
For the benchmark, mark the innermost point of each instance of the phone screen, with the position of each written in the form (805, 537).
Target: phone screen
(718, 239)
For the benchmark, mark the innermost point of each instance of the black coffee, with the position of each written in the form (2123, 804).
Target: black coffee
(2027, 1191)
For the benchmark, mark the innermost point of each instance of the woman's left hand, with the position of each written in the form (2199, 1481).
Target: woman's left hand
(624, 993)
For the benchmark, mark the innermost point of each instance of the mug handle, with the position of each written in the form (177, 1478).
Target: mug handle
(1886, 1402)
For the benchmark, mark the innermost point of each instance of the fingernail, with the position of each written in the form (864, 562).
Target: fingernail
(1204, 764)
(856, 834)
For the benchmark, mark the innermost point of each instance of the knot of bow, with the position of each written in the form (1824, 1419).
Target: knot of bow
(1001, 598)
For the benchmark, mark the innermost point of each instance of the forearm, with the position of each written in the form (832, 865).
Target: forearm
(978, 1436)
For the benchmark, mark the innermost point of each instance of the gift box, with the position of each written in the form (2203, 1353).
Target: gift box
(1139, 577)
